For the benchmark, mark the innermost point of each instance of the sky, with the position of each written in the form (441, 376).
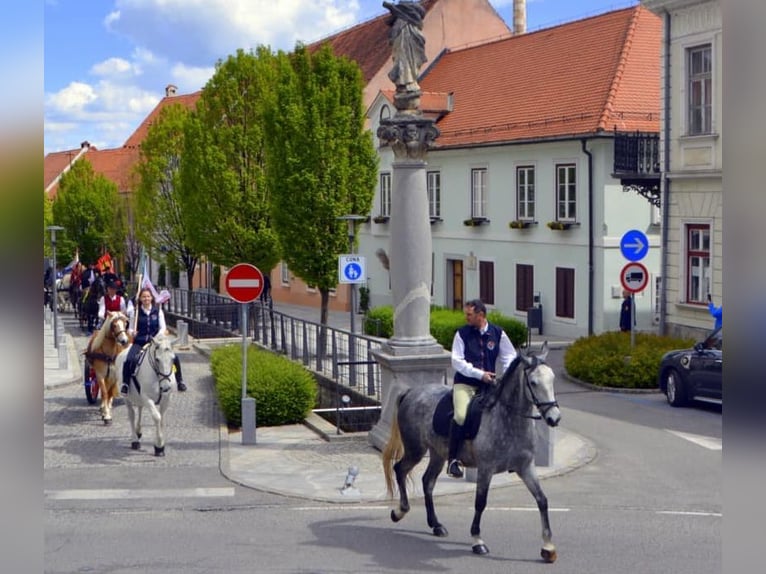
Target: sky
(107, 62)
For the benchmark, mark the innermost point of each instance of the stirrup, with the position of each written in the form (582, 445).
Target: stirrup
(454, 470)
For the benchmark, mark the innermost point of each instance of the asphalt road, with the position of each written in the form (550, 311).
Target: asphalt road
(650, 502)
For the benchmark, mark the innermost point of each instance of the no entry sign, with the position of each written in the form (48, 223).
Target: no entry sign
(244, 282)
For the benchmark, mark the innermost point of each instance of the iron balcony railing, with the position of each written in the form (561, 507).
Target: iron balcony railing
(637, 155)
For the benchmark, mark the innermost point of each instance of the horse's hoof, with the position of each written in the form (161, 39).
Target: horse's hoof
(480, 549)
(138, 434)
(107, 422)
(135, 445)
(549, 556)
(159, 451)
(440, 531)
(394, 517)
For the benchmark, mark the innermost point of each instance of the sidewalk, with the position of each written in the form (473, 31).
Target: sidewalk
(56, 371)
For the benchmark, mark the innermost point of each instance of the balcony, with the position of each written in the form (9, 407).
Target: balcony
(637, 164)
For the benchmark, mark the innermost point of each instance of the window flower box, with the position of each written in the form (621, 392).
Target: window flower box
(521, 223)
(562, 225)
(435, 219)
(475, 221)
(381, 218)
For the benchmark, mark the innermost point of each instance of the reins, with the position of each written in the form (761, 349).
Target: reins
(542, 407)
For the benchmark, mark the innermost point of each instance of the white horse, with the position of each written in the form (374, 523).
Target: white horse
(63, 299)
(150, 388)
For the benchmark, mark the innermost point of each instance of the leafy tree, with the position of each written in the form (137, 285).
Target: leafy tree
(321, 161)
(87, 205)
(47, 222)
(162, 222)
(223, 181)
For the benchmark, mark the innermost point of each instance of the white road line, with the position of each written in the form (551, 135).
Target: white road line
(117, 493)
(682, 513)
(708, 442)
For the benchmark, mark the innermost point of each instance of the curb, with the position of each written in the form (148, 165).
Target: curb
(597, 388)
(73, 369)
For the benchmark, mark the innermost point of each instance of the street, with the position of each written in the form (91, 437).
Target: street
(650, 501)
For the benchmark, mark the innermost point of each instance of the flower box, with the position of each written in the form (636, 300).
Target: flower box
(521, 224)
(475, 221)
(562, 225)
(381, 218)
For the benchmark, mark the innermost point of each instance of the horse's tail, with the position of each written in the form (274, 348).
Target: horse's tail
(394, 449)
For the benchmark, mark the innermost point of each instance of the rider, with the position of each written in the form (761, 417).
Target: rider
(149, 322)
(112, 302)
(476, 349)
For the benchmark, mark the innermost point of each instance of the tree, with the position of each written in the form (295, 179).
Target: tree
(87, 205)
(47, 222)
(222, 174)
(162, 222)
(321, 161)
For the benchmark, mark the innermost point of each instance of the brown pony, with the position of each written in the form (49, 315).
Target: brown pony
(103, 346)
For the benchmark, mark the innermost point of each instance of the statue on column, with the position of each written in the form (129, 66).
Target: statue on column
(408, 50)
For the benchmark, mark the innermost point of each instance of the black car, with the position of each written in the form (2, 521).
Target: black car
(694, 374)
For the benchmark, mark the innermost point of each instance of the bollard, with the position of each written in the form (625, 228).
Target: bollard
(63, 350)
(48, 315)
(183, 334)
(248, 420)
(544, 441)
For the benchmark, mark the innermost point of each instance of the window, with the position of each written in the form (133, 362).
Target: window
(487, 282)
(525, 281)
(566, 192)
(697, 263)
(434, 185)
(385, 194)
(525, 193)
(565, 286)
(284, 274)
(699, 66)
(479, 192)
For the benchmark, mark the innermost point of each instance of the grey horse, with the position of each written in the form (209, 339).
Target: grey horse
(505, 441)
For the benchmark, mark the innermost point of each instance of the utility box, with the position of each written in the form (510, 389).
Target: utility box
(535, 319)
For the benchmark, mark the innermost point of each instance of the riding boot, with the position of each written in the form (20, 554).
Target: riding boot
(179, 376)
(455, 438)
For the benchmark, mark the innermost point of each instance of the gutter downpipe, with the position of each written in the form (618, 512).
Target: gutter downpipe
(666, 185)
(584, 142)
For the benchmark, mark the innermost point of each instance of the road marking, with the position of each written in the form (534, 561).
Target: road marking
(708, 442)
(125, 493)
(682, 513)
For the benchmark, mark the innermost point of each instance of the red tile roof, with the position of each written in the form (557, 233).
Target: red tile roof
(583, 77)
(189, 100)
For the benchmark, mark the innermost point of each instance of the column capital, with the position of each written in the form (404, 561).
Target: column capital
(409, 135)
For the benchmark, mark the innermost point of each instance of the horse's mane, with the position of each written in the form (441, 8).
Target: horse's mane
(105, 330)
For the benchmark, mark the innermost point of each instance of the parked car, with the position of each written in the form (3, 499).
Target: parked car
(694, 374)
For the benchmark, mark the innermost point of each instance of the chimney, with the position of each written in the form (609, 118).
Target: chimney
(519, 16)
(170, 90)
(85, 144)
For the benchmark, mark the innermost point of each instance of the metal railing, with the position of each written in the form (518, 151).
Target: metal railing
(337, 354)
(637, 154)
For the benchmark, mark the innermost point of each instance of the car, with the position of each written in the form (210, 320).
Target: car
(695, 374)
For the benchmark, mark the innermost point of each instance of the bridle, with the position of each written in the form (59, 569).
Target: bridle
(542, 406)
(155, 365)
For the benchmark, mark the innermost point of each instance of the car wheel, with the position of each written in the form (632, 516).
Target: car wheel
(675, 390)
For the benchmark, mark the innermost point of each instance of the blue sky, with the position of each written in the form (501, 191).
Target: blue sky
(107, 62)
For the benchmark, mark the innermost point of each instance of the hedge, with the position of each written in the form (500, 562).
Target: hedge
(284, 391)
(607, 360)
(443, 324)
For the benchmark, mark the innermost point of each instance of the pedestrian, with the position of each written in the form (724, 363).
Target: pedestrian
(149, 321)
(626, 311)
(715, 312)
(112, 302)
(476, 349)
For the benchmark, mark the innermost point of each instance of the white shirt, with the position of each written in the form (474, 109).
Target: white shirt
(127, 309)
(160, 315)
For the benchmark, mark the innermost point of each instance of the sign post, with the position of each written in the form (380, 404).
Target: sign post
(244, 284)
(634, 245)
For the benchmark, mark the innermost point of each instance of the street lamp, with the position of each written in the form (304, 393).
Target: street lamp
(53, 229)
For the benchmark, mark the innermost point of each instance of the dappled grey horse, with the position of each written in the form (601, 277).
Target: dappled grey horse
(505, 441)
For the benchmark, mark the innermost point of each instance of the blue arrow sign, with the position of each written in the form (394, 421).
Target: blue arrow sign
(634, 245)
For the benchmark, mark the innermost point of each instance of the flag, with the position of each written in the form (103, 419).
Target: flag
(104, 261)
(146, 283)
(69, 268)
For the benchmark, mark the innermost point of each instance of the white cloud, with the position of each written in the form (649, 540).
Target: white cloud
(190, 79)
(113, 67)
(73, 98)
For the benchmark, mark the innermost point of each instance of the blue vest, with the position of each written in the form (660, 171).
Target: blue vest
(147, 326)
(480, 350)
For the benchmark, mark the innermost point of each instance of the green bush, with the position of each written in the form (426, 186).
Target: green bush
(284, 391)
(443, 324)
(607, 360)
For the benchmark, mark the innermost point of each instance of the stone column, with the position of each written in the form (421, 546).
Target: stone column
(412, 356)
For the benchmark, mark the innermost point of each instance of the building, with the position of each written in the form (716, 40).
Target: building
(548, 154)
(692, 144)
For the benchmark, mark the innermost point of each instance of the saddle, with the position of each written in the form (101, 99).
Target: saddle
(131, 366)
(444, 412)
